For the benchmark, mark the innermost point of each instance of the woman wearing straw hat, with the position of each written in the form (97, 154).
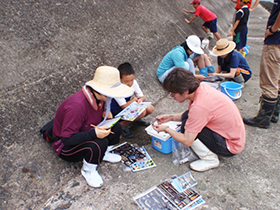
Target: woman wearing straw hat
(76, 121)
(184, 56)
(231, 62)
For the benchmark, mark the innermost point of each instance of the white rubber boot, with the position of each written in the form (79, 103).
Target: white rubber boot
(91, 175)
(208, 159)
(111, 157)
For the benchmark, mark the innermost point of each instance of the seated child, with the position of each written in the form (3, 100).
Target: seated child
(118, 104)
(231, 63)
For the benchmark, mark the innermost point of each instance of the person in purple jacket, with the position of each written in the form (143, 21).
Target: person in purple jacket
(77, 124)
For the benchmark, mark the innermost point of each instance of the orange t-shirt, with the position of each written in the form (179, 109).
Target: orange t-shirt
(216, 111)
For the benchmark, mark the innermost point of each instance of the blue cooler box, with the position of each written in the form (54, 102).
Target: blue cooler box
(163, 141)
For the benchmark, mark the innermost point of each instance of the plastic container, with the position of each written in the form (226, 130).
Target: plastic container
(231, 89)
(164, 146)
(163, 141)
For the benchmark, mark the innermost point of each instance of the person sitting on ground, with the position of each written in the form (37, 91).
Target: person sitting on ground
(210, 18)
(240, 29)
(181, 56)
(231, 62)
(212, 125)
(76, 120)
(118, 104)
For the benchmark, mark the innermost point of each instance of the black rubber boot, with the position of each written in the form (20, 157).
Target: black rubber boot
(262, 120)
(275, 115)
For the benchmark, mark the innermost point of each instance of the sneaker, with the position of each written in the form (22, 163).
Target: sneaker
(142, 122)
(127, 133)
(112, 158)
(210, 36)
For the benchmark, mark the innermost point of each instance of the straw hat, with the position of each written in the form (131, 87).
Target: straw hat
(194, 43)
(223, 46)
(106, 81)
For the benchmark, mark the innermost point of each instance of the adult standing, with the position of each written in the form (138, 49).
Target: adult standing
(77, 119)
(269, 73)
(212, 125)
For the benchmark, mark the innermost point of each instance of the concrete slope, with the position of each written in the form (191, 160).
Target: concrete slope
(49, 49)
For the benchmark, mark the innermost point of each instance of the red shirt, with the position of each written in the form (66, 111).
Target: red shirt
(216, 111)
(237, 7)
(205, 13)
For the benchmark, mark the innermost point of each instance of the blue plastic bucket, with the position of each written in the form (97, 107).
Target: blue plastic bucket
(232, 89)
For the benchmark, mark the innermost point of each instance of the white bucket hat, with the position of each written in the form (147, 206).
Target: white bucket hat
(106, 81)
(194, 43)
(223, 46)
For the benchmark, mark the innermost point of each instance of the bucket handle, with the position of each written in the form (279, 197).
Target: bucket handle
(236, 97)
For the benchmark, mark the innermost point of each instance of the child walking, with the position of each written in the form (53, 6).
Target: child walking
(118, 104)
(210, 18)
(240, 28)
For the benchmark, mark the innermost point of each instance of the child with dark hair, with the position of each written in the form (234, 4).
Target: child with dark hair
(210, 18)
(118, 104)
(240, 28)
(206, 124)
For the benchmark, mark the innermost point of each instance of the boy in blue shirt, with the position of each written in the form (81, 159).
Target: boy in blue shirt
(231, 64)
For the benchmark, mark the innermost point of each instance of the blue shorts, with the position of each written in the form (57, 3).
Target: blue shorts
(240, 39)
(212, 25)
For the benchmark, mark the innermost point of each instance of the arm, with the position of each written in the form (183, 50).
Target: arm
(141, 99)
(168, 117)
(189, 21)
(234, 1)
(129, 102)
(186, 138)
(231, 74)
(255, 5)
(231, 32)
(274, 27)
(188, 11)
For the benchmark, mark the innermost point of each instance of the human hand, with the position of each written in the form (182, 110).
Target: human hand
(185, 10)
(267, 33)
(102, 131)
(231, 33)
(187, 20)
(212, 74)
(200, 77)
(159, 128)
(139, 100)
(163, 118)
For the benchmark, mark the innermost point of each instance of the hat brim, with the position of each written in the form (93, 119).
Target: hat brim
(225, 51)
(196, 50)
(120, 91)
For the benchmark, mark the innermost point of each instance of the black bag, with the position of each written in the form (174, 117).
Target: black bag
(46, 130)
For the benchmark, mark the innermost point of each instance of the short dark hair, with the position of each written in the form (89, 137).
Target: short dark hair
(126, 69)
(180, 80)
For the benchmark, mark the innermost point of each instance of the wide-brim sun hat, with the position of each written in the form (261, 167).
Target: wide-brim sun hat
(223, 47)
(106, 81)
(194, 43)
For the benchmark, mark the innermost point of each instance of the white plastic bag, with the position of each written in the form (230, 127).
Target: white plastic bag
(181, 153)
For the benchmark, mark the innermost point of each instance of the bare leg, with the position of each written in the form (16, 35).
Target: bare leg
(217, 35)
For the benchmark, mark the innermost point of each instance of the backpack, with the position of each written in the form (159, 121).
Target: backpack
(46, 131)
